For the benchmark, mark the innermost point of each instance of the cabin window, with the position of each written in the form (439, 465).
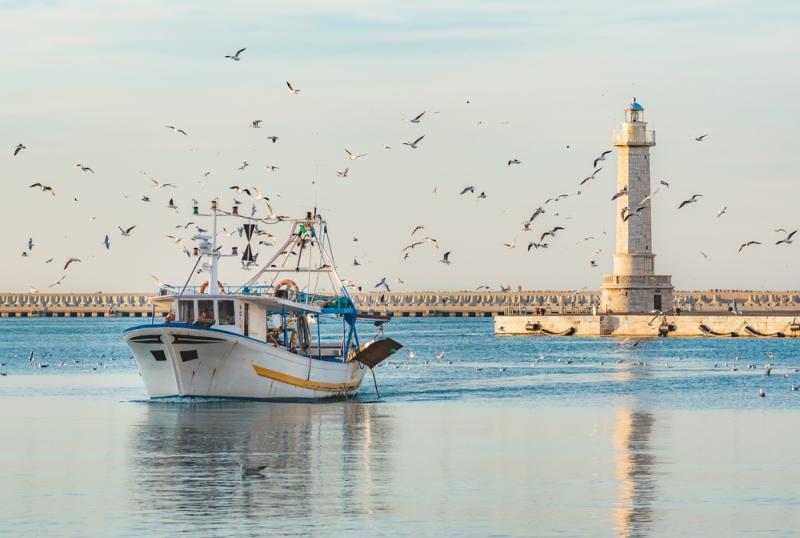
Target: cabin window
(187, 311)
(226, 314)
(205, 310)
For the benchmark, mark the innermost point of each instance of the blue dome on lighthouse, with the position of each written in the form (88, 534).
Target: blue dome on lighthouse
(635, 105)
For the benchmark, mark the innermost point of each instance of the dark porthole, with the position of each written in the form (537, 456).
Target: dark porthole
(159, 354)
(189, 355)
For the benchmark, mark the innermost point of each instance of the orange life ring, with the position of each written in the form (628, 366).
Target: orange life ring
(290, 284)
(204, 285)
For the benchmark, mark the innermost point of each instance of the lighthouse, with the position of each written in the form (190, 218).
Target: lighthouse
(634, 287)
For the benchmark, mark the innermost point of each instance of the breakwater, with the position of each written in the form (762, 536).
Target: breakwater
(414, 303)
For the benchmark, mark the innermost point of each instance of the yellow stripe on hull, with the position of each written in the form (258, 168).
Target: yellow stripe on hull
(305, 383)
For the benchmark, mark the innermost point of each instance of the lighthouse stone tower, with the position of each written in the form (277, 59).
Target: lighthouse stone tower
(634, 287)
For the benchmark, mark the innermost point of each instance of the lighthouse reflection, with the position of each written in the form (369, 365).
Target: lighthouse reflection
(634, 461)
(317, 458)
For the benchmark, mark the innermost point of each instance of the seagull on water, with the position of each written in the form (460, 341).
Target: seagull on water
(235, 57)
(251, 470)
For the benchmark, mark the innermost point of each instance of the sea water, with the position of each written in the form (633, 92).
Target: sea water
(475, 435)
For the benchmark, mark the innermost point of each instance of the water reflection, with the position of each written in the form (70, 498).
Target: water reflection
(635, 465)
(323, 461)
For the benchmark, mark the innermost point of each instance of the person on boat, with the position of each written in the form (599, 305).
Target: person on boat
(205, 315)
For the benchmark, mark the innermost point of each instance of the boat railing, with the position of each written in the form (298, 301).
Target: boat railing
(316, 299)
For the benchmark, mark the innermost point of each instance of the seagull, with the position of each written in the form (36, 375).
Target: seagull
(273, 138)
(592, 263)
(160, 185)
(482, 195)
(84, 168)
(664, 183)
(417, 118)
(787, 240)
(413, 145)
(620, 193)
(343, 173)
(145, 199)
(352, 156)
(240, 190)
(413, 245)
(749, 243)
(44, 188)
(176, 130)
(537, 246)
(722, 211)
(69, 261)
(468, 189)
(551, 233)
(432, 240)
(514, 161)
(272, 168)
(512, 244)
(19, 148)
(244, 165)
(704, 254)
(251, 470)
(171, 204)
(125, 232)
(761, 393)
(691, 200)
(57, 282)
(106, 242)
(292, 90)
(235, 57)
(383, 283)
(587, 179)
(701, 138)
(417, 228)
(30, 243)
(355, 262)
(539, 211)
(255, 124)
(446, 258)
(602, 157)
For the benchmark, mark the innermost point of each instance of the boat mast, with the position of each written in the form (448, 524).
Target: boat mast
(214, 289)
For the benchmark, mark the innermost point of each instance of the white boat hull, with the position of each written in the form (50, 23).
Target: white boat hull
(183, 360)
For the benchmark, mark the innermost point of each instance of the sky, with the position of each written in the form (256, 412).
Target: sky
(544, 82)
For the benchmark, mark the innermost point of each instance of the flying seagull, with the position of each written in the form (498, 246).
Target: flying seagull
(342, 173)
(513, 161)
(19, 148)
(417, 118)
(69, 261)
(126, 232)
(30, 243)
(171, 204)
(446, 258)
(273, 138)
(255, 124)
(787, 240)
(383, 283)
(57, 282)
(622, 192)
(749, 243)
(602, 157)
(664, 183)
(589, 178)
(722, 211)
(691, 200)
(701, 138)
(352, 156)
(551, 233)
(292, 90)
(84, 168)
(44, 188)
(417, 228)
(160, 185)
(176, 130)
(468, 189)
(413, 145)
(235, 57)
(107, 242)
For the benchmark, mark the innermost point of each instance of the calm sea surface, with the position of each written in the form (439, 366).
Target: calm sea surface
(507, 436)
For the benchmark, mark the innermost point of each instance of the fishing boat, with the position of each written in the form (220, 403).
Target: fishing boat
(288, 333)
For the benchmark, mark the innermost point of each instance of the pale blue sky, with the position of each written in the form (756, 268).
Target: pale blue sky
(95, 82)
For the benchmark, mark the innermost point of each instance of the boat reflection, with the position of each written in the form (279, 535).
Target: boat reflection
(319, 458)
